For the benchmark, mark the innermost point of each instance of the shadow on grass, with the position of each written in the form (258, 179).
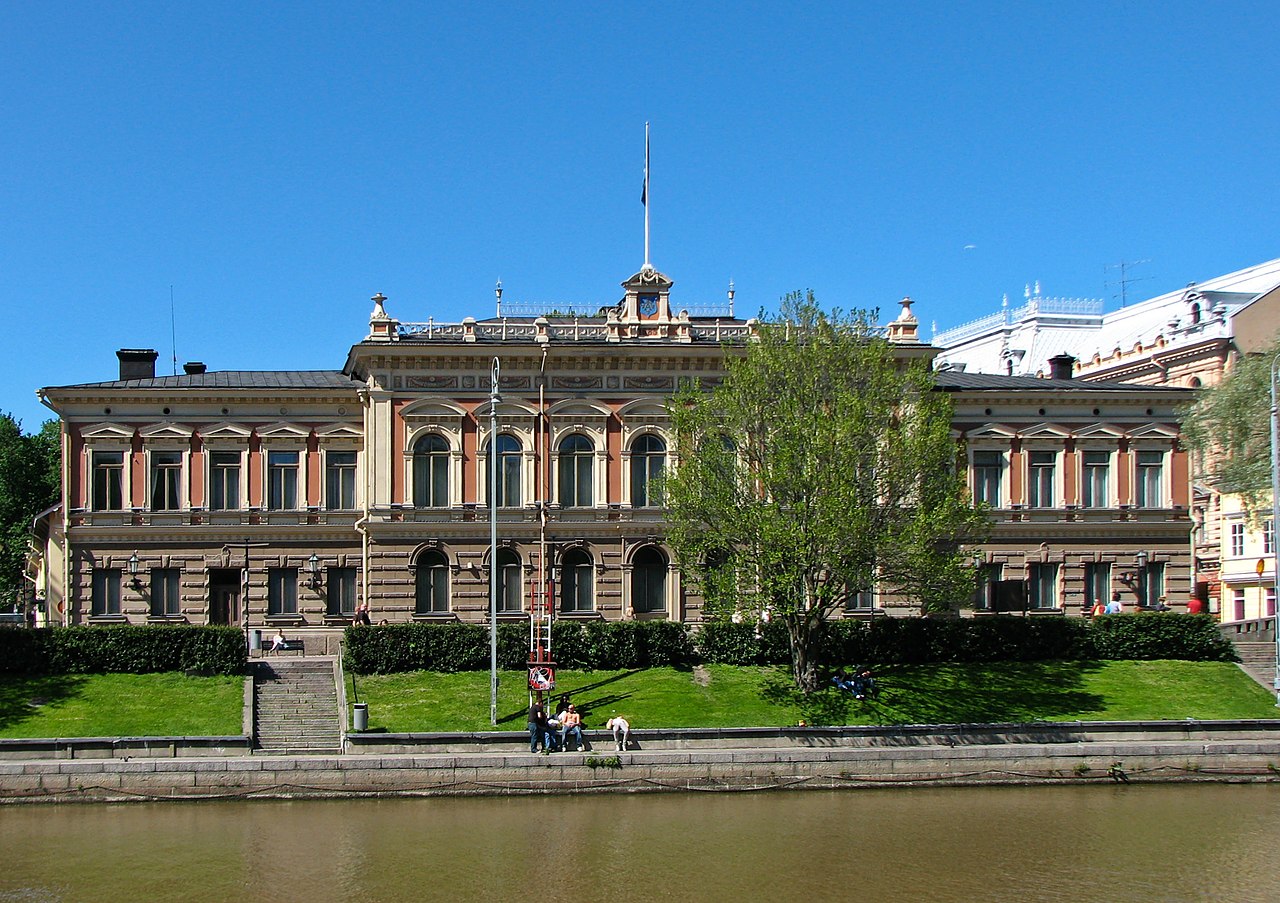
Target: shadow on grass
(584, 706)
(944, 694)
(21, 698)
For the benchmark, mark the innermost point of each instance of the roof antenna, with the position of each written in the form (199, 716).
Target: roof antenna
(644, 199)
(1125, 280)
(173, 331)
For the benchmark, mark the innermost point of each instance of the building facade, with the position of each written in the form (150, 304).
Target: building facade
(287, 497)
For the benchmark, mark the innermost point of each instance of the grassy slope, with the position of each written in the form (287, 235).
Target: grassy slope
(121, 705)
(722, 696)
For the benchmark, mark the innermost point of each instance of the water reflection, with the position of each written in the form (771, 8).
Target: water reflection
(1135, 843)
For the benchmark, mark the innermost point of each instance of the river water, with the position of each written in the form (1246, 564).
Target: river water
(1112, 843)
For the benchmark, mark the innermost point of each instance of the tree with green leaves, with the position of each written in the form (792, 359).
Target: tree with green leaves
(822, 465)
(30, 467)
(1229, 429)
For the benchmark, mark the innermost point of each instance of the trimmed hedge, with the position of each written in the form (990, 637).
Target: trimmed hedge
(143, 649)
(615, 645)
(593, 645)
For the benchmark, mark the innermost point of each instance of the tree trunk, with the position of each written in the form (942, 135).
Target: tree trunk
(804, 663)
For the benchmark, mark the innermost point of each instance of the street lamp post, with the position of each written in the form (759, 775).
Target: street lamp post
(1275, 519)
(493, 544)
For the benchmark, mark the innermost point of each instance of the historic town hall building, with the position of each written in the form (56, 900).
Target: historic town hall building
(256, 497)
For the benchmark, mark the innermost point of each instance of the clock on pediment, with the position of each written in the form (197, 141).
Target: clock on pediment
(648, 305)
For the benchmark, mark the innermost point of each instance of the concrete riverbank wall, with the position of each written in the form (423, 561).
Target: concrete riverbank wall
(1158, 756)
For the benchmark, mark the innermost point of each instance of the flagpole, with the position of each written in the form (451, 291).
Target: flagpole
(645, 198)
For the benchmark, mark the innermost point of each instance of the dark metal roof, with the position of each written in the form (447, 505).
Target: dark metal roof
(956, 380)
(234, 379)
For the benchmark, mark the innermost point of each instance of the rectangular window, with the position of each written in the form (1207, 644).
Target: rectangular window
(861, 600)
(166, 480)
(1097, 583)
(1096, 488)
(342, 592)
(1044, 586)
(165, 600)
(224, 480)
(1151, 584)
(1042, 469)
(282, 480)
(988, 468)
(1271, 602)
(106, 592)
(282, 591)
(988, 576)
(1237, 540)
(1237, 604)
(1268, 538)
(1150, 479)
(340, 481)
(108, 481)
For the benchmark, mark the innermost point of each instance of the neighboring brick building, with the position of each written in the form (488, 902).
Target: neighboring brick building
(314, 491)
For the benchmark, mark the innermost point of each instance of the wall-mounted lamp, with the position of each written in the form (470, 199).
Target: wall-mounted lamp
(133, 572)
(1131, 578)
(313, 568)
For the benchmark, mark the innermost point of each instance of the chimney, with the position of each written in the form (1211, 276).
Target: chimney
(1061, 366)
(193, 368)
(137, 363)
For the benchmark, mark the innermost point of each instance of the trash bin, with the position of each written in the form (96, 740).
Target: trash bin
(360, 716)
(255, 640)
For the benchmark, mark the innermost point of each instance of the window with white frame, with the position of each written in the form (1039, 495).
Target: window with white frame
(108, 480)
(988, 473)
(282, 591)
(510, 467)
(340, 592)
(988, 576)
(576, 582)
(340, 480)
(431, 584)
(431, 472)
(649, 581)
(1095, 488)
(224, 480)
(1042, 472)
(1237, 540)
(1237, 604)
(105, 599)
(1270, 600)
(648, 458)
(165, 598)
(577, 472)
(1268, 538)
(510, 581)
(282, 480)
(1044, 585)
(1150, 479)
(1097, 583)
(860, 600)
(166, 480)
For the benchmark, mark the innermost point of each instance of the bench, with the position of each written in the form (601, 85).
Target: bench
(289, 646)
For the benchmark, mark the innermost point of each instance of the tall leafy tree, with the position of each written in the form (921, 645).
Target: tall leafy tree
(821, 465)
(29, 483)
(1229, 429)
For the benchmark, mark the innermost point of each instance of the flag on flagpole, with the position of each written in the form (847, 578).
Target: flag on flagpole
(644, 191)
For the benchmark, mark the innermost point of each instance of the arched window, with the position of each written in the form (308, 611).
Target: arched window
(648, 455)
(576, 573)
(577, 460)
(649, 581)
(431, 472)
(431, 584)
(510, 581)
(509, 463)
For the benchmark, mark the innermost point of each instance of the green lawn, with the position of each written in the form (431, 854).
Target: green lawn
(723, 696)
(121, 705)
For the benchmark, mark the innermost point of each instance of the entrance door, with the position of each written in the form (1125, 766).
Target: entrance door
(224, 596)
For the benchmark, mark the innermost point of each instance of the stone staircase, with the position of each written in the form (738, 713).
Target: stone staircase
(1258, 661)
(295, 707)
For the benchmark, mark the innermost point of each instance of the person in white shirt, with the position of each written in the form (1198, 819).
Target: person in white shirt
(278, 641)
(621, 731)
(1114, 607)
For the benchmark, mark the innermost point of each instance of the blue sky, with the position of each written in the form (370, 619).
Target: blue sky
(277, 164)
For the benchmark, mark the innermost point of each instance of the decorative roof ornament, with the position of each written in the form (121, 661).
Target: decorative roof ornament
(379, 312)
